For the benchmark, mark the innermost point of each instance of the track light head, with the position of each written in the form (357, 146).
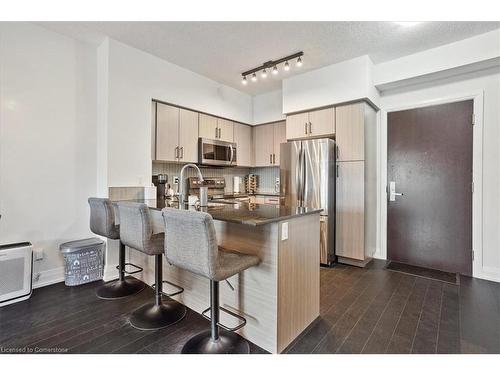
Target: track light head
(244, 80)
(275, 70)
(299, 62)
(263, 74)
(254, 78)
(286, 66)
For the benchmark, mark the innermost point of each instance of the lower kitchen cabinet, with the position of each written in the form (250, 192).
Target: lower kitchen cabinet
(350, 211)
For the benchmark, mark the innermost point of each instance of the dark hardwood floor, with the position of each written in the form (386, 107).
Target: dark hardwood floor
(370, 310)
(374, 310)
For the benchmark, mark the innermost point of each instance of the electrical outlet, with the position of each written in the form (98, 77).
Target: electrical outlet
(284, 231)
(38, 255)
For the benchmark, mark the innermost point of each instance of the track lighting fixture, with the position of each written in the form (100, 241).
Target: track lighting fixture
(272, 66)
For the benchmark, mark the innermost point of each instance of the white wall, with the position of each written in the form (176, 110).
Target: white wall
(487, 82)
(338, 83)
(47, 140)
(268, 107)
(440, 62)
(136, 77)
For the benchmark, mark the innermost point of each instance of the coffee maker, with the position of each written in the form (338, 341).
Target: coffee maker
(160, 181)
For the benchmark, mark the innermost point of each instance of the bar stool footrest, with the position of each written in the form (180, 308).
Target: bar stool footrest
(179, 291)
(138, 269)
(230, 329)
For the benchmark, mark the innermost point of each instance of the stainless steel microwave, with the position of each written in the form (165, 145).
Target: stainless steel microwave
(215, 152)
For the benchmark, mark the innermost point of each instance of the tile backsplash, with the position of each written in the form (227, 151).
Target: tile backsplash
(266, 176)
(266, 180)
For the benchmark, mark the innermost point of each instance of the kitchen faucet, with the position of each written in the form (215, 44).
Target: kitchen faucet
(181, 181)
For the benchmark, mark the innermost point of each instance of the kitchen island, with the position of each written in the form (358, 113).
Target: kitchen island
(280, 297)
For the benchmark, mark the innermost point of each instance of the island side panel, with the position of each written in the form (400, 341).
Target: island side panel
(298, 278)
(255, 295)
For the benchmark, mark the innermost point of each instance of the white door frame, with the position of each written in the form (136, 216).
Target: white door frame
(477, 172)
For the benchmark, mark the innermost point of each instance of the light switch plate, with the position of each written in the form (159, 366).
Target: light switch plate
(284, 231)
(176, 179)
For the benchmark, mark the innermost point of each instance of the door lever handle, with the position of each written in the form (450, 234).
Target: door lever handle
(392, 191)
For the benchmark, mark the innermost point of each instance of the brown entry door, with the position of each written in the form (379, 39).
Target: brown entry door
(429, 160)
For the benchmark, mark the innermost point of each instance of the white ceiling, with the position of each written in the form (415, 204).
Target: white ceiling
(222, 50)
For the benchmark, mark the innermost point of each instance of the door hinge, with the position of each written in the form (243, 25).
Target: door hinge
(473, 119)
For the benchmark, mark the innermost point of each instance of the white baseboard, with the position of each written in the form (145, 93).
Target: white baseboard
(48, 277)
(488, 273)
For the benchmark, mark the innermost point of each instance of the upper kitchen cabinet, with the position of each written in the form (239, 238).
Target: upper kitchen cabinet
(167, 132)
(322, 122)
(279, 138)
(243, 140)
(296, 125)
(319, 123)
(208, 127)
(212, 127)
(176, 134)
(263, 145)
(188, 136)
(267, 139)
(226, 130)
(350, 131)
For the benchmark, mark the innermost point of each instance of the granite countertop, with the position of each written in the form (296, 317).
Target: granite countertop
(241, 212)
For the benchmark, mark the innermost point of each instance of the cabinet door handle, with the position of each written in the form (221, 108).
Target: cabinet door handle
(305, 128)
(176, 152)
(310, 127)
(182, 153)
(216, 132)
(270, 158)
(274, 158)
(337, 168)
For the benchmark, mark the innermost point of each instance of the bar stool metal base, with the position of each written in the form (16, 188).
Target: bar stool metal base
(117, 289)
(153, 316)
(227, 343)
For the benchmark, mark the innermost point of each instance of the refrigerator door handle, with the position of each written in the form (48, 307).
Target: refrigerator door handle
(302, 176)
(299, 178)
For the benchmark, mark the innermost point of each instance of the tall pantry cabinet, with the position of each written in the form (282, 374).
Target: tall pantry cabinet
(356, 183)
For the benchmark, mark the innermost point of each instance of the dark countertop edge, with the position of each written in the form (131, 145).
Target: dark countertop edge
(261, 221)
(253, 223)
(274, 220)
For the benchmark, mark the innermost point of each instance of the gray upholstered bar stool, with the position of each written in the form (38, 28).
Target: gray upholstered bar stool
(191, 244)
(102, 222)
(136, 231)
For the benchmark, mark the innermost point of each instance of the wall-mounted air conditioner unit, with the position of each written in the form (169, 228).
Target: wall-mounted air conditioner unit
(16, 270)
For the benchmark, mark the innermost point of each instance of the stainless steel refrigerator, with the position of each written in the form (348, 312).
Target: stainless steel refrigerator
(307, 179)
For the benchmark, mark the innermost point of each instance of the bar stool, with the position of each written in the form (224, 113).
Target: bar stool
(191, 244)
(136, 231)
(102, 222)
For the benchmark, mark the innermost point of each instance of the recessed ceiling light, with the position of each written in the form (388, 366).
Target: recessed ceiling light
(406, 23)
